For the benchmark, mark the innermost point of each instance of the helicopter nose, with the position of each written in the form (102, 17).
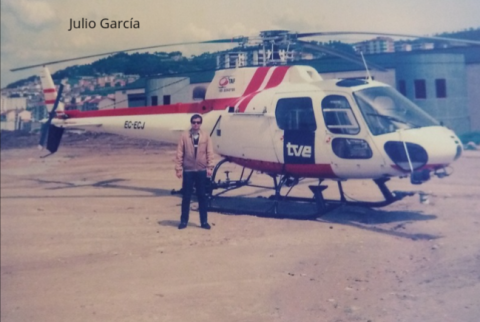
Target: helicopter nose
(443, 147)
(431, 147)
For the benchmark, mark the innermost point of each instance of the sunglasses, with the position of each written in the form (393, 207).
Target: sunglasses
(196, 122)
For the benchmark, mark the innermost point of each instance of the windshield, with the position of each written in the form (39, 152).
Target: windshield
(386, 110)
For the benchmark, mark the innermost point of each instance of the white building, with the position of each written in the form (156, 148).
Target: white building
(13, 103)
(13, 113)
(376, 46)
(15, 120)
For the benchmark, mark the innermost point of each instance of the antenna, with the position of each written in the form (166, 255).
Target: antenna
(369, 77)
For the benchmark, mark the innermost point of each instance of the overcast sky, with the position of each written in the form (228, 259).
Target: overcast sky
(36, 31)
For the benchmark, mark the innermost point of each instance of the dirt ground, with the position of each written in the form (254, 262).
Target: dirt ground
(89, 234)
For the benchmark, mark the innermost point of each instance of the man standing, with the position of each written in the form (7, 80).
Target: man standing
(194, 162)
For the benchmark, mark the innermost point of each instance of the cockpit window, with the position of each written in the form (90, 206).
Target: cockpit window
(338, 115)
(385, 111)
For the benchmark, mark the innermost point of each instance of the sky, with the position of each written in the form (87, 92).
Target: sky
(36, 31)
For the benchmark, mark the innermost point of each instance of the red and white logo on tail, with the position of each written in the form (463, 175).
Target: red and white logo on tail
(49, 91)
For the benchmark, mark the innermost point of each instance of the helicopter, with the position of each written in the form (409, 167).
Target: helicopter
(289, 123)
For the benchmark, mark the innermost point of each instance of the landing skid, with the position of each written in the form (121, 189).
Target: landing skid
(284, 206)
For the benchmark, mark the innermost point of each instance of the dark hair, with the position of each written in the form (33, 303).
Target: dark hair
(196, 116)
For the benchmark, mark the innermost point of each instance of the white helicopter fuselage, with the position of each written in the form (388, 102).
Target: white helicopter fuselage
(287, 120)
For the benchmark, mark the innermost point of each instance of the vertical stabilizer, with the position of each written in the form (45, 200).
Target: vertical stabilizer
(49, 91)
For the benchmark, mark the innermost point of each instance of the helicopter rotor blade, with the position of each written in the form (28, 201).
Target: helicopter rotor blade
(349, 57)
(216, 41)
(245, 40)
(336, 33)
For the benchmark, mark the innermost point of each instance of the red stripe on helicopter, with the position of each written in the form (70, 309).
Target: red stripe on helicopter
(200, 108)
(298, 170)
(275, 80)
(277, 77)
(49, 90)
(256, 80)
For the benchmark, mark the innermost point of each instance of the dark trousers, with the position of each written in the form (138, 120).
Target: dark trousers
(199, 179)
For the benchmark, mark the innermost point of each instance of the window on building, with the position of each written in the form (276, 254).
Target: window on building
(441, 88)
(136, 100)
(420, 89)
(154, 100)
(295, 114)
(166, 99)
(402, 87)
(338, 115)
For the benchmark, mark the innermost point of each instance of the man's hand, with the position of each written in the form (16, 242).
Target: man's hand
(179, 174)
(209, 172)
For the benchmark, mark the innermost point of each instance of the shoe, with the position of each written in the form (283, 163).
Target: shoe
(205, 225)
(182, 225)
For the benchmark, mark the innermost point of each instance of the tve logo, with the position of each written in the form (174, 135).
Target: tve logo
(299, 147)
(304, 151)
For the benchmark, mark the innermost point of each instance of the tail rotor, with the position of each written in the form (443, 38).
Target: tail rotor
(53, 133)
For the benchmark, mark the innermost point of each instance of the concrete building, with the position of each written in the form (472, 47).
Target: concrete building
(437, 83)
(473, 92)
(182, 89)
(132, 95)
(166, 91)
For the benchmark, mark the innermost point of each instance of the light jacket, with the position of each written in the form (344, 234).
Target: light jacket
(185, 159)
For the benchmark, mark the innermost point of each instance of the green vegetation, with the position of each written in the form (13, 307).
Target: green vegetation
(22, 82)
(102, 91)
(468, 34)
(143, 64)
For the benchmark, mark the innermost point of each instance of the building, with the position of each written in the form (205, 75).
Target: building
(13, 113)
(91, 104)
(106, 103)
(166, 91)
(421, 45)
(375, 46)
(403, 46)
(12, 103)
(14, 120)
(437, 82)
(132, 95)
